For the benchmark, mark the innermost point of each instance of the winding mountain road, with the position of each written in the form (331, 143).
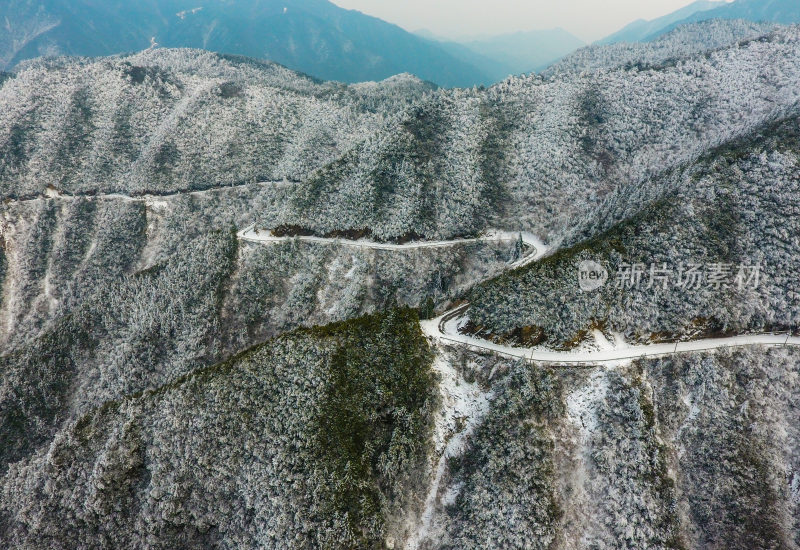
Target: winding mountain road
(446, 327)
(263, 236)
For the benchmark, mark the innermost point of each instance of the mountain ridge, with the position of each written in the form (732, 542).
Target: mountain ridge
(642, 29)
(315, 37)
(784, 12)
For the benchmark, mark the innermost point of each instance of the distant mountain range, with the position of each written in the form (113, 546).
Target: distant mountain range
(317, 37)
(515, 53)
(785, 12)
(641, 29)
(771, 11)
(312, 36)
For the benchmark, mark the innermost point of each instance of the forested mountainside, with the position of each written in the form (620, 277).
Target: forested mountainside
(737, 207)
(303, 443)
(698, 451)
(784, 12)
(539, 154)
(258, 451)
(685, 41)
(104, 297)
(641, 30)
(316, 37)
(392, 158)
(168, 384)
(169, 120)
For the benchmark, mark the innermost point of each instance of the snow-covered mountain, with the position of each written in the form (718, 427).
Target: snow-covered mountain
(641, 30)
(167, 383)
(537, 154)
(685, 41)
(784, 12)
(312, 36)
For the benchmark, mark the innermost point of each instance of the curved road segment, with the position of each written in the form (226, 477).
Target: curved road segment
(446, 327)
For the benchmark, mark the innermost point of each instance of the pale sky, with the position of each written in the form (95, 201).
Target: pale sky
(586, 19)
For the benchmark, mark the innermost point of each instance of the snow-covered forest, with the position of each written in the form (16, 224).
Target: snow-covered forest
(739, 206)
(395, 157)
(166, 384)
(170, 120)
(684, 41)
(539, 154)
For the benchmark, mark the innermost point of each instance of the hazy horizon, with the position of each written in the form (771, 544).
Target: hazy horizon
(589, 20)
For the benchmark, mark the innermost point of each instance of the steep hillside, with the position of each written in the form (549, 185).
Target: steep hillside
(785, 12)
(318, 438)
(394, 158)
(170, 120)
(692, 452)
(684, 42)
(694, 247)
(641, 30)
(540, 154)
(107, 296)
(312, 36)
(314, 440)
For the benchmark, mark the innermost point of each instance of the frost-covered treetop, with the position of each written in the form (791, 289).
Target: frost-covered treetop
(538, 154)
(167, 120)
(684, 41)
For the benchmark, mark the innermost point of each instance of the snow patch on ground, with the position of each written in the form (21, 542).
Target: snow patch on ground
(583, 404)
(463, 407)
(690, 400)
(601, 341)
(619, 340)
(156, 209)
(156, 204)
(353, 269)
(8, 292)
(795, 488)
(462, 404)
(184, 13)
